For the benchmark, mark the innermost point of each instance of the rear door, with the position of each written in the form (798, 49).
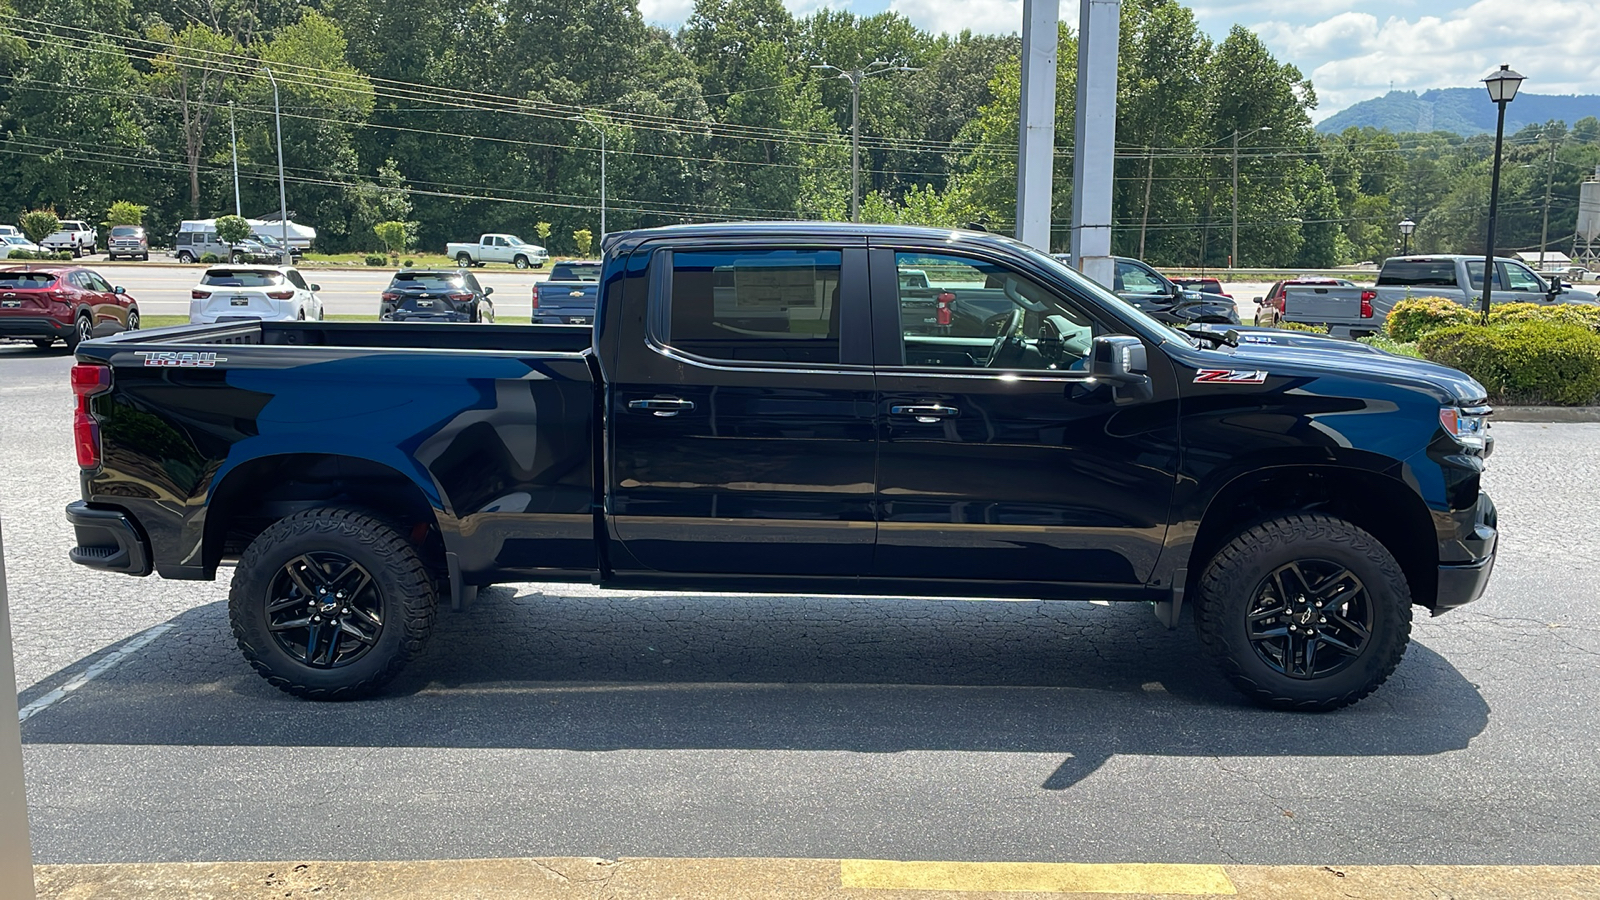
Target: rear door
(741, 420)
(1000, 460)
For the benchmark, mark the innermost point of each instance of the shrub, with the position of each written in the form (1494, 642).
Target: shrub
(1380, 342)
(410, 262)
(393, 235)
(124, 212)
(1414, 317)
(1560, 314)
(377, 259)
(232, 230)
(1526, 362)
(39, 224)
(210, 259)
(1301, 326)
(583, 237)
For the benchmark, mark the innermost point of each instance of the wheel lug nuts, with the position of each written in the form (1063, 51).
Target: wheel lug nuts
(1321, 619)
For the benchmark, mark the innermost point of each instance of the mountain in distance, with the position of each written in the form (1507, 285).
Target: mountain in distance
(1465, 111)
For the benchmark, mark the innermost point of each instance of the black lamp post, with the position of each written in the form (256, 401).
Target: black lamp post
(1502, 87)
(1406, 227)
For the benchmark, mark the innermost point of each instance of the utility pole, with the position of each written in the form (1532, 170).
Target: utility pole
(855, 77)
(283, 199)
(238, 208)
(1544, 230)
(1233, 256)
(602, 171)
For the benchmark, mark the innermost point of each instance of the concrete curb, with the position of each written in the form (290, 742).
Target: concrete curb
(1547, 414)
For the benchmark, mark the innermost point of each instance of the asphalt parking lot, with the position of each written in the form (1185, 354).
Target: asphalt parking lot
(553, 720)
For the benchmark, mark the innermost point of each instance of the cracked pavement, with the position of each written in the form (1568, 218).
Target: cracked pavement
(563, 721)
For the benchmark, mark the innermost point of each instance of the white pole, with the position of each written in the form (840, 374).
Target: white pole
(238, 208)
(16, 854)
(1036, 137)
(283, 199)
(1094, 150)
(602, 184)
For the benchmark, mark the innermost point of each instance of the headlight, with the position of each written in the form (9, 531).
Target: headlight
(1470, 426)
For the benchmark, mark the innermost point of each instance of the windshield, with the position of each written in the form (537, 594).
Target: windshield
(1104, 296)
(16, 239)
(514, 239)
(266, 239)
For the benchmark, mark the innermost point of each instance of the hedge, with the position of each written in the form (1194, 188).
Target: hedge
(1523, 362)
(1557, 313)
(1416, 316)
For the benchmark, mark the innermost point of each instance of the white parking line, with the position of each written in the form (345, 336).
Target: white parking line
(133, 646)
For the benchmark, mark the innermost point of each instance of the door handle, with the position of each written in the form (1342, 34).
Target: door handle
(662, 406)
(928, 414)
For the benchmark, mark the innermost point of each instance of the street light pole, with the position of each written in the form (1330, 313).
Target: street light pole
(1544, 230)
(1233, 256)
(283, 198)
(1406, 227)
(1502, 87)
(233, 136)
(602, 170)
(855, 77)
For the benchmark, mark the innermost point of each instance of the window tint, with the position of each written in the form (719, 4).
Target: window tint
(26, 280)
(1421, 273)
(1521, 279)
(757, 305)
(977, 314)
(1137, 280)
(297, 281)
(1475, 276)
(242, 278)
(575, 272)
(428, 281)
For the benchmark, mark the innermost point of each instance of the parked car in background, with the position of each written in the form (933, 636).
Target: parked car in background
(46, 303)
(13, 242)
(192, 246)
(269, 293)
(568, 297)
(8, 230)
(1202, 285)
(1158, 296)
(1269, 309)
(274, 247)
(128, 240)
(436, 295)
(505, 248)
(74, 236)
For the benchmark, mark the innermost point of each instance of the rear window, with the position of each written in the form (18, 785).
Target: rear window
(126, 231)
(1419, 273)
(427, 281)
(242, 278)
(26, 280)
(570, 272)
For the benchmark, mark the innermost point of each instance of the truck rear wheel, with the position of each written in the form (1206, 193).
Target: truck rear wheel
(330, 604)
(1305, 612)
(464, 260)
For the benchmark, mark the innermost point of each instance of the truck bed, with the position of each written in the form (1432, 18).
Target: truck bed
(1335, 306)
(387, 335)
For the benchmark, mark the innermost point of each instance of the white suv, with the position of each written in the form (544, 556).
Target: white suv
(269, 293)
(74, 235)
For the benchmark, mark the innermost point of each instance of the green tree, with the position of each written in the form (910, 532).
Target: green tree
(232, 230)
(124, 212)
(393, 235)
(39, 224)
(583, 237)
(543, 230)
(194, 73)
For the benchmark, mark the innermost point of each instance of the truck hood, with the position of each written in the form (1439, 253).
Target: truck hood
(1314, 355)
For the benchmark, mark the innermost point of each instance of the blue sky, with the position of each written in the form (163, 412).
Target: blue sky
(1352, 50)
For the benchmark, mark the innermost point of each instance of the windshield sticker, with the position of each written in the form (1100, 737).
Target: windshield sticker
(1230, 376)
(184, 360)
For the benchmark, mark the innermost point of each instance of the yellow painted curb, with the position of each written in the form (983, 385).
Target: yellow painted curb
(1043, 878)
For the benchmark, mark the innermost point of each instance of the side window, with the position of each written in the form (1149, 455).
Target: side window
(297, 281)
(1521, 279)
(80, 281)
(1135, 279)
(756, 305)
(965, 313)
(96, 283)
(1475, 275)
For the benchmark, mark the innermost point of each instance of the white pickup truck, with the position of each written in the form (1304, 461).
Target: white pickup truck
(504, 248)
(74, 235)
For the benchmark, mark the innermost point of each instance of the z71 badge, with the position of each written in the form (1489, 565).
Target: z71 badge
(185, 360)
(1230, 376)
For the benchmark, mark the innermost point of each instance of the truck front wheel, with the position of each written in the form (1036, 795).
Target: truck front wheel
(1305, 612)
(330, 604)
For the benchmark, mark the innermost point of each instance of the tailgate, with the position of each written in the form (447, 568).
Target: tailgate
(1325, 305)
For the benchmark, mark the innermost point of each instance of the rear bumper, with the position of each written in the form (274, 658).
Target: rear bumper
(1461, 583)
(33, 327)
(401, 315)
(107, 539)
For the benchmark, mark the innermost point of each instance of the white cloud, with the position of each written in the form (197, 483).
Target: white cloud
(671, 13)
(954, 16)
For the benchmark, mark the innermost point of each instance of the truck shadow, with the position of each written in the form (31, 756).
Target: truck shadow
(600, 671)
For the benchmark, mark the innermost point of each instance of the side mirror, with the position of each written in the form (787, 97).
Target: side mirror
(1118, 359)
(1555, 285)
(1260, 300)
(487, 291)
(315, 288)
(118, 290)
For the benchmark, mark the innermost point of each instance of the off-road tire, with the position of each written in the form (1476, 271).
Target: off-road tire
(1236, 576)
(185, 257)
(407, 603)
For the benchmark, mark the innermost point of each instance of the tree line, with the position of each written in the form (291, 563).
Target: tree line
(469, 116)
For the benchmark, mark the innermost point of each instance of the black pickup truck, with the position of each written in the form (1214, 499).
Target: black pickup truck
(762, 408)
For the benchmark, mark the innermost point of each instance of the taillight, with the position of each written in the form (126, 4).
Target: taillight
(198, 294)
(390, 297)
(281, 295)
(535, 296)
(88, 380)
(461, 298)
(1366, 303)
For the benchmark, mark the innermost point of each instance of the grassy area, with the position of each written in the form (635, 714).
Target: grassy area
(418, 260)
(164, 321)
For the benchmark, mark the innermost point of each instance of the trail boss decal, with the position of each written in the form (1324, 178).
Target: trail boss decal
(1230, 376)
(185, 360)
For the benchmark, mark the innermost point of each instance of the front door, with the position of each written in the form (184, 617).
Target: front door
(1001, 461)
(742, 424)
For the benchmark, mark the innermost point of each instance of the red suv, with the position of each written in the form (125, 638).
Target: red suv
(71, 303)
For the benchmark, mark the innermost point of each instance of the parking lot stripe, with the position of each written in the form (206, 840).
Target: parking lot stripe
(1047, 878)
(102, 666)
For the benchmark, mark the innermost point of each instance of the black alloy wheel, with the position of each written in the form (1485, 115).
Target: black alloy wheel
(133, 319)
(324, 610)
(1305, 612)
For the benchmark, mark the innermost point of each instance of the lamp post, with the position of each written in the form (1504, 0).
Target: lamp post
(1502, 87)
(283, 199)
(233, 136)
(602, 131)
(855, 77)
(1233, 256)
(1406, 227)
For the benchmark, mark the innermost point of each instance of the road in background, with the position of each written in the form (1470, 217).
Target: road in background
(563, 720)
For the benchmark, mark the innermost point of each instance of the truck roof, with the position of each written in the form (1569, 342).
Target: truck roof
(813, 229)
